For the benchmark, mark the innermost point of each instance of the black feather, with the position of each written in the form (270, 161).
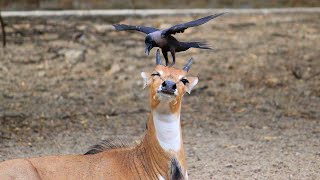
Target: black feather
(181, 27)
(124, 27)
(186, 45)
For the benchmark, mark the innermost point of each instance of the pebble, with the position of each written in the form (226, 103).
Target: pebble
(74, 56)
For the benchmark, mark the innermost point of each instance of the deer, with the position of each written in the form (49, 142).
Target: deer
(159, 155)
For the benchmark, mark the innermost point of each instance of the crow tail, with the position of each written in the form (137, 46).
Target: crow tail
(200, 45)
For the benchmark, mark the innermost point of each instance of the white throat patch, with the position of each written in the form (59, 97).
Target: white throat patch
(168, 130)
(161, 178)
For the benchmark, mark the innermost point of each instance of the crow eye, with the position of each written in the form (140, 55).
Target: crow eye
(155, 74)
(184, 81)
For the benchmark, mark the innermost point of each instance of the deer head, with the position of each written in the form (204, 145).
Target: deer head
(168, 85)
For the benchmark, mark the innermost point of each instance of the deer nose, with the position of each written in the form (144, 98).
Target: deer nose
(169, 86)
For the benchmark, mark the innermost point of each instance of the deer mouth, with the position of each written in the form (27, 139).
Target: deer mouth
(167, 93)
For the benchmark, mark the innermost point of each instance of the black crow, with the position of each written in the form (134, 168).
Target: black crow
(164, 39)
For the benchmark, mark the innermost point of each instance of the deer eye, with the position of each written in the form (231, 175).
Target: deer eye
(155, 74)
(184, 81)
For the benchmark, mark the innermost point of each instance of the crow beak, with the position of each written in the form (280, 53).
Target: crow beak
(147, 49)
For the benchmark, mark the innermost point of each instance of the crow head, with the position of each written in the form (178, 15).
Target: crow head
(149, 44)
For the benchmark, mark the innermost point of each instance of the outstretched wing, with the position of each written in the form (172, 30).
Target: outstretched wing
(124, 27)
(179, 28)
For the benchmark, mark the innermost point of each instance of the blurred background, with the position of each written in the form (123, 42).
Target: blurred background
(141, 4)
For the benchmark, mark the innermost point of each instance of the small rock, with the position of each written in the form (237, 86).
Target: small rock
(49, 36)
(82, 27)
(253, 56)
(3, 68)
(74, 56)
(272, 82)
(307, 57)
(131, 68)
(297, 72)
(114, 69)
(229, 165)
(41, 73)
(269, 138)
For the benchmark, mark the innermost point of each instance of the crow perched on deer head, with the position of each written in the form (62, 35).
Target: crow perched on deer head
(164, 38)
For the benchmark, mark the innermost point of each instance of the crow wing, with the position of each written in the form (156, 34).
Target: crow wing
(179, 28)
(123, 27)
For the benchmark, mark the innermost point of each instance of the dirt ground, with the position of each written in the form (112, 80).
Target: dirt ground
(66, 84)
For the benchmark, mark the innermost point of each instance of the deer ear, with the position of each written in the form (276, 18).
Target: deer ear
(146, 79)
(192, 82)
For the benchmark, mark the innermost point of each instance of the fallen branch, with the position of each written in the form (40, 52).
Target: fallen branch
(3, 31)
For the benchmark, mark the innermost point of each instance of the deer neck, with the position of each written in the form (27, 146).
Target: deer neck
(164, 139)
(167, 130)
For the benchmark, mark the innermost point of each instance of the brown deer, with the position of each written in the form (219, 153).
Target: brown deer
(160, 154)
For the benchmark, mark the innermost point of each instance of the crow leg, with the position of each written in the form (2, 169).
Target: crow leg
(165, 55)
(173, 58)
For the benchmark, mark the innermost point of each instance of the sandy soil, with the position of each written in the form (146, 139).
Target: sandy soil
(66, 84)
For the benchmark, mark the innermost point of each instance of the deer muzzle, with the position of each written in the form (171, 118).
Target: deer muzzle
(168, 87)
